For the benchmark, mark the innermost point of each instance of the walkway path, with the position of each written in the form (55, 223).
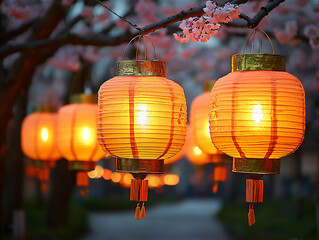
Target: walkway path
(186, 220)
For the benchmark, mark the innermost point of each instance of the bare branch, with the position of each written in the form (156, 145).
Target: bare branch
(105, 40)
(252, 23)
(5, 37)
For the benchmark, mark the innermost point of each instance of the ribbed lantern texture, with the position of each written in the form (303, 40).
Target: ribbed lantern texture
(257, 117)
(199, 121)
(38, 141)
(192, 152)
(141, 117)
(77, 141)
(257, 114)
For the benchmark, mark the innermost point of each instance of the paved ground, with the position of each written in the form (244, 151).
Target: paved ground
(187, 220)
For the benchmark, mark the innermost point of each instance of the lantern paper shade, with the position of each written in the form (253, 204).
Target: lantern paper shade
(77, 132)
(199, 120)
(38, 136)
(141, 121)
(193, 153)
(141, 117)
(257, 114)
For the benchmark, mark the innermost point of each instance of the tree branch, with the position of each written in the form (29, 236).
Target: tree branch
(252, 23)
(5, 37)
(105, 40)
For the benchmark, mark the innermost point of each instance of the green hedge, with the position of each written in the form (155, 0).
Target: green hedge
(275, 220)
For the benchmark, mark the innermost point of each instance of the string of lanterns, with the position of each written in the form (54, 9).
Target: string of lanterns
(255, 114)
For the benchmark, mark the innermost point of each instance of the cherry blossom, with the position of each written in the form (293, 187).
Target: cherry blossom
(287, 36)
(202, 28)
(18, 12)
(311, 31)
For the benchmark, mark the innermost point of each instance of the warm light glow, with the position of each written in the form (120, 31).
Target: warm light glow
(44, 134)
(107, 174)
(142, 117)
(257, 115)
(92, 174)
(116, 177)
(99, 171)
(96, 173)
(171, 179)
(197, 150)
(86, 134)
(127, 178)
(154, 181)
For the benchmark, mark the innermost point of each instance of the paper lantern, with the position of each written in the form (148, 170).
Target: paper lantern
(193, 153)
(38, 139)
(77, 142)
(142, 121)
(199, 122)
(257, 116)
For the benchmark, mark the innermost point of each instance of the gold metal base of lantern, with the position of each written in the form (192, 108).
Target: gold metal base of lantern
(44, 108)
(83, 98)
(139, 166)
(256, 166)
(82, 165)
(140, 68)
(254, 62)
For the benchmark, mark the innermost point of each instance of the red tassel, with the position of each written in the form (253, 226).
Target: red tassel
(143, 215)
(215, 188)
(137, 212)
(44, 187)
(251, 216)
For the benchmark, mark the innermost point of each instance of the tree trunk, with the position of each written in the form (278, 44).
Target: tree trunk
(15, 172)
(63, 181)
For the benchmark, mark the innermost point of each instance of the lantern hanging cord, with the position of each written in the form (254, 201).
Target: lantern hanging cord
(253, 34)
(120, 17)
(145, 48)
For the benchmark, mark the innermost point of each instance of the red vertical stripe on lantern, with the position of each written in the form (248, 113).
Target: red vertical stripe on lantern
(72, 133)
(169, 85)
(273, 116)
(37, 135)
(131, 110)
(238, 148)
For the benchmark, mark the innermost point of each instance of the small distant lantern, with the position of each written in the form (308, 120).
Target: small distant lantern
(199, 122)
(77, 142)
(193, 153)
(142, 121)
(38, 140)
(257, 116)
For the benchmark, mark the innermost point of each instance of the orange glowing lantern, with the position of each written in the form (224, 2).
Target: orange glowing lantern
(77, 142)
(193, 153)
(38, 139)
(199, 122)
(257, 116)
(142, 121)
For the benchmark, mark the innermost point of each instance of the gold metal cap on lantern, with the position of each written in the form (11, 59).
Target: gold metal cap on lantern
(256, 166)
(139, 165)
(209, 85)
(44, 108)
(140, 68)
(255, 62)
(84, 98)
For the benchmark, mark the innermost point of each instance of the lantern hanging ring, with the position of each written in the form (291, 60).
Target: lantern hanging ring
(145, 51)
(253, 35)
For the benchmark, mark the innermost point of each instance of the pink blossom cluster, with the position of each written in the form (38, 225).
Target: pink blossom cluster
(16, 11)
(202, 28)
(312, 32)
(288, 35)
